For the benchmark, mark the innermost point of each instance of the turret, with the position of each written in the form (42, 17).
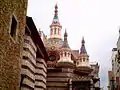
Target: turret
(83, 59)
(65, 53)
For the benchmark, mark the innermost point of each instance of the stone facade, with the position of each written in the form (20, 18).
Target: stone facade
(34, 56)
(12, 27)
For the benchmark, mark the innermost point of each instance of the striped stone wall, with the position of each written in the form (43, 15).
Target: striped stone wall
(58, 80)
(34, 68)
(28, 64)
(40, 74)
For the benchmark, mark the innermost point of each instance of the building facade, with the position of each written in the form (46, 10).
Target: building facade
(114, 74)
(68, 69)
(34, 57)
(27, 65)
(117, 78)
(22, 53)
(12, 28)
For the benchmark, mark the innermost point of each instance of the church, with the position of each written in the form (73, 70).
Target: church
(68, 69)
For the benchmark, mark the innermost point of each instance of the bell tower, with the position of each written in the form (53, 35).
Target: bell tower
(55, 27)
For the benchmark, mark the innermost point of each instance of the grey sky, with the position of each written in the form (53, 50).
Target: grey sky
(97, 20)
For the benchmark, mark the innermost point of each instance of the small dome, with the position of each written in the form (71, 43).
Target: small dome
(65, 44)
(65, 47)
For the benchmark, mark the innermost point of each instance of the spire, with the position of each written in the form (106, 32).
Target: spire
(56, 12)
(65, 36)
(83, 41)
(55, 18)
(83, 50)
(65, 42)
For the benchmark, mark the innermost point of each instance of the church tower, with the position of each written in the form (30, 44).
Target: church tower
(83, 56)
(67, 69)
(55, 27)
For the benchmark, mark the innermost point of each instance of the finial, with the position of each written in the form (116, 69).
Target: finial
(65, 34)
(82, 49)
(56, 6)
(83, 41)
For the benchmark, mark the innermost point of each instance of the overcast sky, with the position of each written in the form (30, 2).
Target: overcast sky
(97, 20)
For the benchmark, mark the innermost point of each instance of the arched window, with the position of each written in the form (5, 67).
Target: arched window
(61, 54)
(51, 32)
(55, 30)
(83, 59)
(65, 54)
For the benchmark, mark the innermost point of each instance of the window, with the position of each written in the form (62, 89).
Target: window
(51, 32)
(83, 59)
(13, 27)
(65, 54)
(52, 57)
(26, 49)
(25, 57)
(55, 30)
(61, 54)
(26, 41)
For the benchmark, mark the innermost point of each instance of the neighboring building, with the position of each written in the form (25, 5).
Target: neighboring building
(34, 57)
(114, 62)
(118, 55)
(67, 68)
(12, 28)
(111, 84)
(118, 64)
(112, 74)
(114, 80)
